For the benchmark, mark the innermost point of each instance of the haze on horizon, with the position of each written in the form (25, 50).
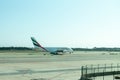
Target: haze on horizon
(70, 23)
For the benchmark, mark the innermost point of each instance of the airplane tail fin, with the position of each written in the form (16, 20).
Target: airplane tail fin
(37, 45)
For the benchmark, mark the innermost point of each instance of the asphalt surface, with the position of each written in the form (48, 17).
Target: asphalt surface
(54, 58)
(28, 71)
(52, 63)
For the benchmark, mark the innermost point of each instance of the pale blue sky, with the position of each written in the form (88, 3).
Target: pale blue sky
(71, 23)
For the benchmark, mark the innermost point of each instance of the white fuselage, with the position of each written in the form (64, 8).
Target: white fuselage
(58, 49)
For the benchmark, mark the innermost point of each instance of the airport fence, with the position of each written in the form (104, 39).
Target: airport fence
(89, 72)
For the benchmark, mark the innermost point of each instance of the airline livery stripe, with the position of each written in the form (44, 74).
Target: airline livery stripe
(36, 44)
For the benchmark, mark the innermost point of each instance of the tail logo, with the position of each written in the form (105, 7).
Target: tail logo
(36, 44)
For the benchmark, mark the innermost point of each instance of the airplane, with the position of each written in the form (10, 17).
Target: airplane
(52, 50)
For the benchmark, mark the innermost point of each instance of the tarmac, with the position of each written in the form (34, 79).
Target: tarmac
(30, 66)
